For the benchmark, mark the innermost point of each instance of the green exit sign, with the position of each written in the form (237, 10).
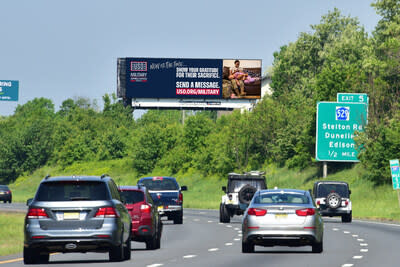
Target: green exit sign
(352, 98)
(336, 126)
(395, 170)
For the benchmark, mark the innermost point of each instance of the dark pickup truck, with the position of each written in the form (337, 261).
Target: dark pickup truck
(167, 196)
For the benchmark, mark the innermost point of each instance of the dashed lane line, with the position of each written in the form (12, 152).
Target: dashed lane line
(364, 250)
(228, 244)
(213, 249)
(347, 265)
(357, 257)
(189, 256)
(360, 239)
(364, 244)
(155, 265)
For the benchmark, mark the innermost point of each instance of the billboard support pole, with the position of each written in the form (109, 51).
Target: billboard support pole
(183, 117)
(325, 169)
(398, 195)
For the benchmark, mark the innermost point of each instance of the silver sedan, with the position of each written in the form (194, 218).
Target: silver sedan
(282, 217)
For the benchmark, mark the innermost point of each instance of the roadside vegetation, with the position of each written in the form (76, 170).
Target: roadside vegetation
(278, 136)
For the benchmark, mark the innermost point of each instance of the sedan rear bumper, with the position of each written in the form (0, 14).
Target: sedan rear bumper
(282, 240)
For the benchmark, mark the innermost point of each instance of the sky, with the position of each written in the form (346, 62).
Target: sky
(69, 49)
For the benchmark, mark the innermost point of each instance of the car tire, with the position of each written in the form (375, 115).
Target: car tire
(116, 253)
(347, 218)
(127, 249)
(333, 200)
(31, 256)
(224, 214)
(44, 258)
(246, 194)
(318, 247)
(247, 247)
(178, 218)
(151, 243)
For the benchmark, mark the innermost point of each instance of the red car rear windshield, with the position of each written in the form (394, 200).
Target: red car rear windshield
(131, 196)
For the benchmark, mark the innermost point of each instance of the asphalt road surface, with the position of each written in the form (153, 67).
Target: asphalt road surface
(202, 241)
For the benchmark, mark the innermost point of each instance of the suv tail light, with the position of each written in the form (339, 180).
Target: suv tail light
(256, 212)
(180, 199)
(305, 212)
(145, 208)
(318, 202)
(107, 212)
(35, 213)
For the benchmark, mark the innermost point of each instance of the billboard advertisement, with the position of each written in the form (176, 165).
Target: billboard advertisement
(9, 90)
(189, 79)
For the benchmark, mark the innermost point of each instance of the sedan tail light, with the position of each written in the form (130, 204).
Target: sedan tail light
(256, 212)
(107, 212)
(145, 208)
(35, 213)
(305, 212)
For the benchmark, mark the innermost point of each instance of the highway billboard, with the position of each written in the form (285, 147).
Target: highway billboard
(176, 81)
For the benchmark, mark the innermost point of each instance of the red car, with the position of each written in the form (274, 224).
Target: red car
(146, 221)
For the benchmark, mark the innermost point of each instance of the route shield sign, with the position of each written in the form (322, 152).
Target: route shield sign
(9, 90)
(336, 127)
(352, 98)
(395, 170)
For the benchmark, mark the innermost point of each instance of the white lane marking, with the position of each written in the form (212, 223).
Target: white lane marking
(364, 244)
(237, 229)
(229, 226)
(355, 235)
(240, 235)
(189, 256)
(240, 231)
(213, 249)
(196, 220)
(237, 239)
(388, 224)
(363, 250)
(210, 221)
(357, 257)
(228, 244)
(155, 265)
(346, 232)
(361, 240)
(335, 229)
(347, 265)
(220, 223)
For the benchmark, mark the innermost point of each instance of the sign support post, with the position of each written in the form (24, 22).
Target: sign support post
(395, 170)
(325, 169)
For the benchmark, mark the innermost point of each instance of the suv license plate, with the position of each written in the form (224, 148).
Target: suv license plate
(71, 215)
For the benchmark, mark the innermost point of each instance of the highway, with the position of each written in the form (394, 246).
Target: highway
(203, 241)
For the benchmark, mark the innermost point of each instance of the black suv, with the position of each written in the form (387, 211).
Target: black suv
(76, 214)
(239, 193)
(167, 196)
(333, 199)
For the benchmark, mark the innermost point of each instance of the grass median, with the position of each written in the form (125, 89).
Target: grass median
(11, 233)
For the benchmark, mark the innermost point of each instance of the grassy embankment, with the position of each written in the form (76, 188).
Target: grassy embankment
(369, 201)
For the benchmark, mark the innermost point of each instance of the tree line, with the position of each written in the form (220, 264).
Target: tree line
(338, 55)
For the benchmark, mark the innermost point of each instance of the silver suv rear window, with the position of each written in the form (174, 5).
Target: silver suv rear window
(72, 190)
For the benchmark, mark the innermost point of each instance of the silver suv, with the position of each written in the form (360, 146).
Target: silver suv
(76, 214)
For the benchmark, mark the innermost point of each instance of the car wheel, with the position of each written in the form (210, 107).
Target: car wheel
(317, 247)
(334, 200)
(151, 243)
(224, 214)
(178, 218)
(347, 218)
(44, 257)
(116, 253)
(127, 249)
(247, 247)
(31, 256)
(246, 194)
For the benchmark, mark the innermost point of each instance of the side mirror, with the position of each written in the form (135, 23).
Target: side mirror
(184, 188)
(349, 192)
(29, 201)
(224, 189)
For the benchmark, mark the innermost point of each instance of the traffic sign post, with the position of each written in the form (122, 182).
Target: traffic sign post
(336, 124)
(395, 171)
